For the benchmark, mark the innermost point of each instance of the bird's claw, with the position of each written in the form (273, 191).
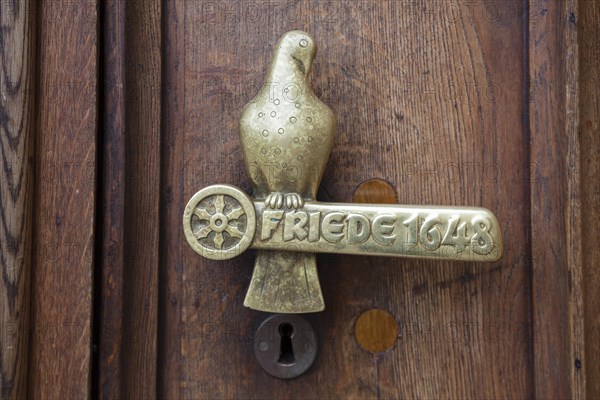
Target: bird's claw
(276, 200)
(293, 200)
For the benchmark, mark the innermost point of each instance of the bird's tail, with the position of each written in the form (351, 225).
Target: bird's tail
(285, 282)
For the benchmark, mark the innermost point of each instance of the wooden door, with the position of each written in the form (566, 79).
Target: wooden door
(115, 113)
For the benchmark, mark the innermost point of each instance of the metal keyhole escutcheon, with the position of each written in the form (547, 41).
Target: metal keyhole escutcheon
(285, 345)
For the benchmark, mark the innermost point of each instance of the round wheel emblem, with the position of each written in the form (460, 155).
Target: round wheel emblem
(219, 222)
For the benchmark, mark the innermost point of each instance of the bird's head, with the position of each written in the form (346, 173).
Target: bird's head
(300, 47)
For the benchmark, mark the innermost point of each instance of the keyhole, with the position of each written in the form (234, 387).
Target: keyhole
(285, 345)
(286, 350)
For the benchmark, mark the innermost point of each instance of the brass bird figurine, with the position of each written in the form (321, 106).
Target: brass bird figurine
(287, 135)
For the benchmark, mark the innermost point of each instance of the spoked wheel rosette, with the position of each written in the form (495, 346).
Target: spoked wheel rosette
(219, 222)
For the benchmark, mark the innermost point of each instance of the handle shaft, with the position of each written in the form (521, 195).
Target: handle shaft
(452, 233)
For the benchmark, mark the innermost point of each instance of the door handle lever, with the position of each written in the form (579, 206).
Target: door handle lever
(292, 130)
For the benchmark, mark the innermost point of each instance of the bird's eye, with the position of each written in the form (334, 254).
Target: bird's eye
(303, 43)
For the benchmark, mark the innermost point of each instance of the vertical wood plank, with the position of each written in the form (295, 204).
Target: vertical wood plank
(142, 182)
(61, 315)
(110, 312)
(171, 248)
(17, 124)
(131, 171)
(588, 23)
(557, 307)
(573, 214)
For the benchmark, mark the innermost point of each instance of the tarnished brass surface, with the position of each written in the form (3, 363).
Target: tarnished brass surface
(219, 222)
(449, 233)
(287, 134)
(286, 131)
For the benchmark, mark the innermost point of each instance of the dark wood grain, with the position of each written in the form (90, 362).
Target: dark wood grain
(556, 228)
(171, 240)
(142, 225)
(574, 227)
(131, 170)
(17, 134)
(63, 222)
(110, 301)
(428, 96)
(588, 24)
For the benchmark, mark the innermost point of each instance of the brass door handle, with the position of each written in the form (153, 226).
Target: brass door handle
(283, 220)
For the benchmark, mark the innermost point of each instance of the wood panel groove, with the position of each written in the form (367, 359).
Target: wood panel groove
(109, 315)
(143, 96)
(132, 170)
(171, 195)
